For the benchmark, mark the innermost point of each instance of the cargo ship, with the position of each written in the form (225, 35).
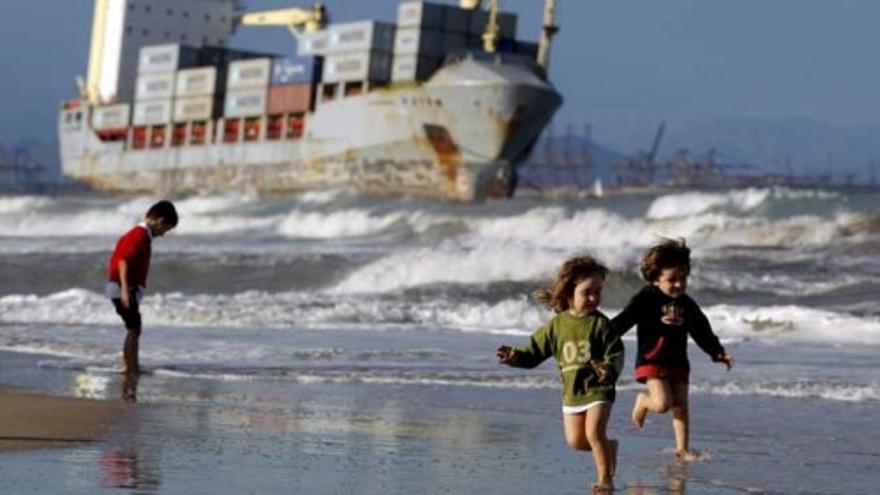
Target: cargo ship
(445, 103)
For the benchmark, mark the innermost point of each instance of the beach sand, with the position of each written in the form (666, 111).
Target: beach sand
(29, 420)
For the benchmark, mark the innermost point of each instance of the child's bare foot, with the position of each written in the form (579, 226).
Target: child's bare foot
(690, 456)
(613, 445)
(639, 412)
(605, 486)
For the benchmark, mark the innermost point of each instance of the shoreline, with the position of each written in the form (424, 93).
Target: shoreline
(31, 420)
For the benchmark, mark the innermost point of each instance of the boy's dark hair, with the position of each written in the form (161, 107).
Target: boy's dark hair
(165, 210)
(669, 253)
(572, 272)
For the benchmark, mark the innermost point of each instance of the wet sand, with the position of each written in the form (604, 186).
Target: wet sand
(29, 420)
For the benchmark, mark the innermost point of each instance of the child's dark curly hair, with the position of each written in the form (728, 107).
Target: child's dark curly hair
(572, 272)
(669, 253)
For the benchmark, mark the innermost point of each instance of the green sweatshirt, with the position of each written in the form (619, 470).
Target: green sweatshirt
(574, 341)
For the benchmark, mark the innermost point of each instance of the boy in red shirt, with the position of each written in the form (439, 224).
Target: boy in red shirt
(127, 279)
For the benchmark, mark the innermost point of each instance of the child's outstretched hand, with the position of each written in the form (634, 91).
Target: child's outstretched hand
(600, 368)
(505, 354)
(727, 359)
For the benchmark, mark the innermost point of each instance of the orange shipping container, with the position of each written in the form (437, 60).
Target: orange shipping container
(291, 98)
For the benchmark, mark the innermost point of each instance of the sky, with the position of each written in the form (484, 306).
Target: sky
(621, 65)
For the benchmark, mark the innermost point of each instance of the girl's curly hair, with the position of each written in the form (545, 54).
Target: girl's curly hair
(572, 272)
(669, 253)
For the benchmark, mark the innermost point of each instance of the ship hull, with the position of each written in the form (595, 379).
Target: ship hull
(458, 137)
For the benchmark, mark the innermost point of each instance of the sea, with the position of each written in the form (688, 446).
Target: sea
(332, 343)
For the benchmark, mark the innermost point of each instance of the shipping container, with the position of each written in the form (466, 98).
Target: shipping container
(420, 41)
(422, 15)
(167, 58)
(506, 23)
(457, 20)
(349, 37)
(433, 16)
(157, 86)
(245, 103)
(191, 108)
(152, 113)
(295, 70)
(310, 44)
(372, 66)
(290, 98)
(201, 81)
(111, 117)
(249, 74)
(414, 68)
(218, 56)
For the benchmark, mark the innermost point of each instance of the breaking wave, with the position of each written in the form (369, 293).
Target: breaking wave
(517, 316)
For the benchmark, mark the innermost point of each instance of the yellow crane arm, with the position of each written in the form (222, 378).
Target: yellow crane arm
(294, 19)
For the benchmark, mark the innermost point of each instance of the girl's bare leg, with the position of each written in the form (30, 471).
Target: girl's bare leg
(575, 431)
(657, 400)
(680, 419)
(596, 432)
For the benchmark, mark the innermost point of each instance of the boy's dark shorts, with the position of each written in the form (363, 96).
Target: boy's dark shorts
(132, 315)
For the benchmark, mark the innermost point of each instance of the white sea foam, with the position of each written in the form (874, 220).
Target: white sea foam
(737, 201)
(794, 389)
(254, 309)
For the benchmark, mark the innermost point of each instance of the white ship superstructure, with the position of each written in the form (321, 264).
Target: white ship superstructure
(444, 103)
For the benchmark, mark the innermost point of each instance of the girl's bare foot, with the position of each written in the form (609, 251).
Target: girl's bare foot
(613, 444)
(639, 412)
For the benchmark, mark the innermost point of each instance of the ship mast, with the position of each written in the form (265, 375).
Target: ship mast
(548, 30)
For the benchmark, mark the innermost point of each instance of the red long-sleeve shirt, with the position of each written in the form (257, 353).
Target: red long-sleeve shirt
(133, 248)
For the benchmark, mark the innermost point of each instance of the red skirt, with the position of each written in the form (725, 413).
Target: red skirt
(646, 371)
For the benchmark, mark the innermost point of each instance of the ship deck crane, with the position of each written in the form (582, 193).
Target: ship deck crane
(549, 28)
(296, 20)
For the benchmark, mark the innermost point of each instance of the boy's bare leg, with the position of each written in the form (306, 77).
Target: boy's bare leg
(657, 400)
(596, 427)
(130, 351)
(680, 419)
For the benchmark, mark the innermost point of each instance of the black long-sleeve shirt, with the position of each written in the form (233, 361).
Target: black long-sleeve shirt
(660, 344)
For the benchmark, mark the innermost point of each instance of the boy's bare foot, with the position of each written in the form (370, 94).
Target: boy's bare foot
(603, 487)
(613, 445)
(639, 413)
(686, 456)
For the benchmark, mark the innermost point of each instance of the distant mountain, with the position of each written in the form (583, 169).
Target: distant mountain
(801, 145)
(29, 164)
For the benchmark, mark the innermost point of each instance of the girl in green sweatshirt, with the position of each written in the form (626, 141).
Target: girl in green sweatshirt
(589, 358)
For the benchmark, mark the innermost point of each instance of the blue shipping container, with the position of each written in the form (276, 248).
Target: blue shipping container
(295, 70)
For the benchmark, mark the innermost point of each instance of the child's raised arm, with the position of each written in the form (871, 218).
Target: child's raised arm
(539, 348)
(701, 331)
(627, 318)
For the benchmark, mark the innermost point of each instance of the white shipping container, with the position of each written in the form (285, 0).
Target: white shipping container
(309, 44)
(111, 117)
(245, 103)
(156, 112)
(361, 36)
(253, 73)
(201, 81)
(166, 58)
(414, 68)
(158, 86)
(416, 41)
(191, 108)
(372, 66)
